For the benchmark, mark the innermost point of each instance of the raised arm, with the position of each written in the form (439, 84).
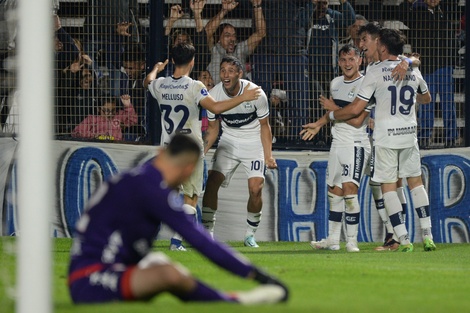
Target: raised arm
(260, 22)
(160, 66)
(213, 24)
(175, 14)
(346, 16)
(197, 6)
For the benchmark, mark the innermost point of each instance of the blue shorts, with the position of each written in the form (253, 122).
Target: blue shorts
(101, 283)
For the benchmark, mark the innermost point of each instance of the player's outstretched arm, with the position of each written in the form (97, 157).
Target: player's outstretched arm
(160, 66)
(310, 130)
(217, 107)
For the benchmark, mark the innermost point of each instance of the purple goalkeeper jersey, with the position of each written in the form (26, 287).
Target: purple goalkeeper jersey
(123, 218)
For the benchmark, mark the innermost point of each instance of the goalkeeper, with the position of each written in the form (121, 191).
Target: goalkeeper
(111, 258)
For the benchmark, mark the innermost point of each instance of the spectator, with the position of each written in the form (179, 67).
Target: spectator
(282, 28)
(278, 116)
(433, 36)
(321, 26)
(109, 26)
(353, 30)
(77, 99)
(226, 43)
(132, 78)
(8, 14)
(195, 36)
(107, 125)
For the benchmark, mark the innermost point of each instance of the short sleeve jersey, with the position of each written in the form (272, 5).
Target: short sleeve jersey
(343, 93)
(178, 99)
(242, 122)
(395, 116)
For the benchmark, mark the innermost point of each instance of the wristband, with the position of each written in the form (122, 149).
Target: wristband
(257, 6)
(332, 115)
(410, 62)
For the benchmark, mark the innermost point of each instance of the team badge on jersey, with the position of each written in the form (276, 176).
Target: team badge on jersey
(204, 92)
(352, 93)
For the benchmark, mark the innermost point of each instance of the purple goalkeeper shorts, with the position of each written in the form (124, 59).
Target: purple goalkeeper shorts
(101, 283)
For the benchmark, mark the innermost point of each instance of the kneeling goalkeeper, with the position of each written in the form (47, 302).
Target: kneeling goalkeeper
(111, 258)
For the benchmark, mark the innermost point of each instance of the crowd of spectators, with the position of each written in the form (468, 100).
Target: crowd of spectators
(289, 48)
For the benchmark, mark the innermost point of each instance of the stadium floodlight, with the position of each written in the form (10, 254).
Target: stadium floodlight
(35, 177)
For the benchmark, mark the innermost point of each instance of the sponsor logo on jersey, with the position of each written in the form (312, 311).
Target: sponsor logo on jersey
(352, 93)
(248, 105)
(204, 92)
(171, 87)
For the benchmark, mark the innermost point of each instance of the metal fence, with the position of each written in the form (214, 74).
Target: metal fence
(103, 50)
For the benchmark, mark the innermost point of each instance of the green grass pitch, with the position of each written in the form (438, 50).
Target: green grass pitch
(319, 281)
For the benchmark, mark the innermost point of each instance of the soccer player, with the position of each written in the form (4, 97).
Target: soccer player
(179, 97)
(348, 156)
(111, 258)
(368, 35)
(246, 139)
(395, 141)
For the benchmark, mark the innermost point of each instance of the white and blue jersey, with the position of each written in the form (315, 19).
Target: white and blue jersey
(343, 93)
(395, 116)
(178, 99)
(242, 122)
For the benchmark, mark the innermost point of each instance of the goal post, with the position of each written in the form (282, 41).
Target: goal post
(35, 175)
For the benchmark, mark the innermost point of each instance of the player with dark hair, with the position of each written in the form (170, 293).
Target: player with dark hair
(111, 257)
(179, 97)
(396, 151)
(226, 42)
(246, 140)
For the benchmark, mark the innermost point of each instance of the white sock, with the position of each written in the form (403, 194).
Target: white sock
(352, 215)
(393, 207)
(401, 196)
(335, 217)
(421, 204)
(252, 221)
(379, 204)
(208, 219)
(189, 210)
